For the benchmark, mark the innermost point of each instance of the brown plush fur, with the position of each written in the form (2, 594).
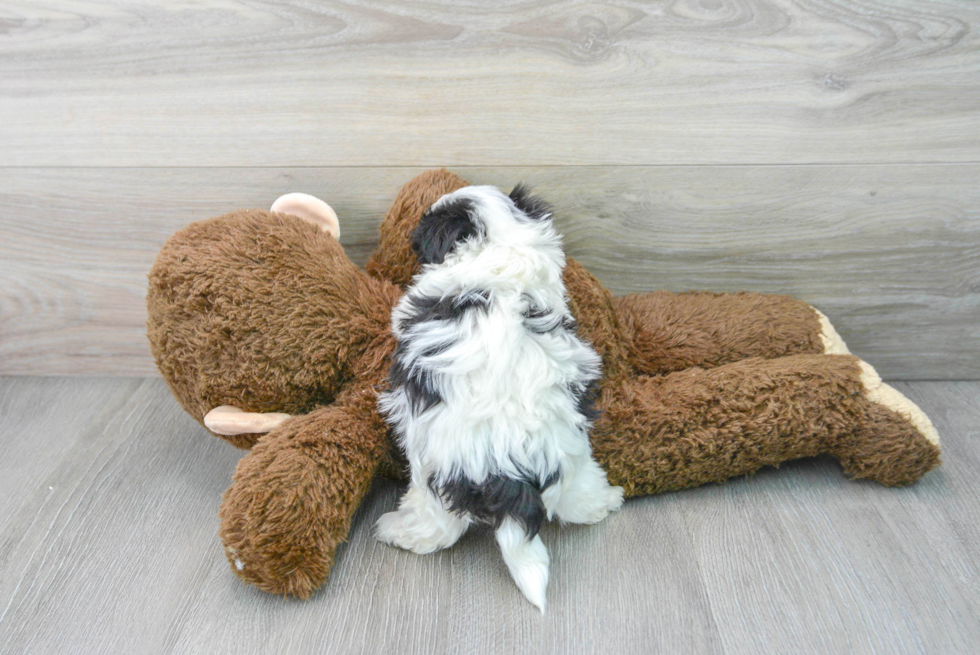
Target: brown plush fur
(294, 495)
(265, 312)
(674, 331)
(692, 427)
(393, 259)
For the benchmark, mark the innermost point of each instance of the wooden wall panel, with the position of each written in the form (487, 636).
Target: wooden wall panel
(890, 253)
(362, 83)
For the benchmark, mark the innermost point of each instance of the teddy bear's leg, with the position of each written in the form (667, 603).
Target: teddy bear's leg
(883, 458)
(294, 494)
(675, 331)
(706, 425)
(421, 524)
(585, 493)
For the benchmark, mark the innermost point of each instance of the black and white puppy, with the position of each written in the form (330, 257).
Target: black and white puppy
(490, 389)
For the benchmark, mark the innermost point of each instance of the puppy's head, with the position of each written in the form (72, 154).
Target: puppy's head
(479, 216)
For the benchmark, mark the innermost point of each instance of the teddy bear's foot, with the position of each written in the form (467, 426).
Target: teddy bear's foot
(832, 342)
(898, 443)
(886, 395)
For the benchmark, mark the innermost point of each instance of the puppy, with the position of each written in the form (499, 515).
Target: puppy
(490, 389)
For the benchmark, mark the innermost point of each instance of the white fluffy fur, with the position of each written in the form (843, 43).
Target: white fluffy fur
(527, 561)
(507, 403)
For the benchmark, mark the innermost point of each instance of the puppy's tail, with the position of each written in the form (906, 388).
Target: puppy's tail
(526, 559)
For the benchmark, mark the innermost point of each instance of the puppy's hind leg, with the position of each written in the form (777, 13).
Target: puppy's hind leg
(526, 559)
(421, 523)
(586, 495)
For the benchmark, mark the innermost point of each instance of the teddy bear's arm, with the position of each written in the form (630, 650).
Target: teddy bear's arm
(393, 260)
(692, 427)
(294, 494)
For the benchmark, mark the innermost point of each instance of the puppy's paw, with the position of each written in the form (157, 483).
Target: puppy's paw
(614, 499)
(388, 528)
(417, 532)
(608, 500)
(401, 529)
(585, 511)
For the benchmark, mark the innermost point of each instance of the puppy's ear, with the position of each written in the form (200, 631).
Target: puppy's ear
(442, 228)
(535, 208)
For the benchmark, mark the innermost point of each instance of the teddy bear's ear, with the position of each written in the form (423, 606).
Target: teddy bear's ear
(311, 209)
(535, 208)
(442, 227)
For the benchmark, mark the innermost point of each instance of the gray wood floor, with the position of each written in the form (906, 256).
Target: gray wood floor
(108, 501)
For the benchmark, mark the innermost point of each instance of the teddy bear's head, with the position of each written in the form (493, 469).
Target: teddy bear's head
(265, 312)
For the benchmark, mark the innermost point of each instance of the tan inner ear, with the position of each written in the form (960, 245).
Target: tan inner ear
(311, 209)
(229, 421)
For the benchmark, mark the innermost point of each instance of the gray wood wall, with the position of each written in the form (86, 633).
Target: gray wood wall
(823, 149)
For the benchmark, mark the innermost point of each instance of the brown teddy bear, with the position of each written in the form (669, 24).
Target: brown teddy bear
(259, 321)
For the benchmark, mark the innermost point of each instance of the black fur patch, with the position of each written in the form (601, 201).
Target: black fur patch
(535, 208)
(449, 308)
(417, 381)
(441, 229)
(541, 320)
(587, 398)
(496, 498)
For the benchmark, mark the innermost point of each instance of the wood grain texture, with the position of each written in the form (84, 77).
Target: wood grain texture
(890, 253)
(235, 83)
(109, 546)
(88, 557)
(810, 548)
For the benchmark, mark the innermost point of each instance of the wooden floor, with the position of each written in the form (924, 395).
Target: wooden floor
(108, 502)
